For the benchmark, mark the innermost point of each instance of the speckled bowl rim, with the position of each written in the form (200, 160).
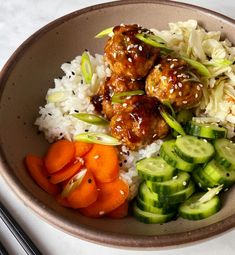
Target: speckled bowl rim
(88, 233)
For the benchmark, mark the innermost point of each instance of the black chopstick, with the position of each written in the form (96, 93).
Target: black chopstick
(24, 240)
(3, 250)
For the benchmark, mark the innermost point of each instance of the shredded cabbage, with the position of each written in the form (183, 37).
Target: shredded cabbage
(194, 42)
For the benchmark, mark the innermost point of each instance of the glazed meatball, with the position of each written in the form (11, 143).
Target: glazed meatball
(140, 123)
(128, 56)
(112, 85)
(173, 80)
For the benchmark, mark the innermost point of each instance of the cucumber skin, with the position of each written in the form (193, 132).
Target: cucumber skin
(200, 216)
(174, 199)
(161, 189)
(204, 132)
(208, 170)
(188, 167)
(153, 209)
(204, 182)
(147, 199)
(155, 219)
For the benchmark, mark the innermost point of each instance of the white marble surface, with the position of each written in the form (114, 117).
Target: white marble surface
(18, 20)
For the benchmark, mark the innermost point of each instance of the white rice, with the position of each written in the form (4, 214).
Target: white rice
(71, 95)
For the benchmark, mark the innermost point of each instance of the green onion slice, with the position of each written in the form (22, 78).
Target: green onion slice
(121, 97)
(153, 40)
(184, 116)
(73, 183)
(172, 122)
(201, 69)
(219, 62)
(104, 32)
(98, 138)
(86, 67)
(168, 104)
(192, 77)
(91, 118)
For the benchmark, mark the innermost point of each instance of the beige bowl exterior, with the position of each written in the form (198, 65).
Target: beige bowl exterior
(24, 82)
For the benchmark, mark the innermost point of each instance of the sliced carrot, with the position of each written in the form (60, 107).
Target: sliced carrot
(120, 212)
(102, 160)
(62, 201)
(37, 171)
(111, 196)
(59, 155)
(67, 172)
(85, 194)
(82, 148)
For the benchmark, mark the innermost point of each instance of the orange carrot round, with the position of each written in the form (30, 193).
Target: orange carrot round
(37, 171)
(59, 155)
(62, 201)
(85, 194)
(111, 196)
(102, 160)
(67, 172)
(120, 212)
(82, 148)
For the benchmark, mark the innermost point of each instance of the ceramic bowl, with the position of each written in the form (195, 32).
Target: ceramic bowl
(24, 82)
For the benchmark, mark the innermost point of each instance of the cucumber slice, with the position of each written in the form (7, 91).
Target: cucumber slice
(218, 175)
(155, 169)
(168, 153)
(193, 210)
(158, 210)
(201, 180)
(179, 196)
(205, 130)
(193, 150)
(177, 183)
(149, 218)
(149, 197)
(225, 153)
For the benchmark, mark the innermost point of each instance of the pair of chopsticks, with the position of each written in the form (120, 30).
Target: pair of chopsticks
(24, 240)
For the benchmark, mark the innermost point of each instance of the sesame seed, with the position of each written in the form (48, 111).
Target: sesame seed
(171, 91)
(226, 190)
(185, 102)
(129, 59)
(172, 66)
(205, 140)
(124, 105)
(115, 54)
(174, 177)
(169, 59)
(163, 78)
(196, 95)
(128, 39)
(101, 213)
(140, 48)
(122, 25)
(171, 79)
(184, 183)
(199, 184)
(180, 84)
(96, 156)
(176, 87)
(201, 85)
(122, 192)
(180, 93)
(175, 72)
(175, 59)
(198, 88)
(154, 135)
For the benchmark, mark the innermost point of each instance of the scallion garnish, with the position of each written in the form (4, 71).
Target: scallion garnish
(172, 122)
(91, 118)
(153, 40)
(121, 97)
(86, 67)
(104, 32)
(73, 183)
(201, 69)
(98, 138)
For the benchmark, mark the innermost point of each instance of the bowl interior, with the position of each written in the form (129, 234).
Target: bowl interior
(24, 83)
